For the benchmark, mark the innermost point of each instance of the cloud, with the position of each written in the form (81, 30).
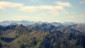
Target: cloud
(82, 1)
(59, 5)
(33, 0)
(54, 13)
(28, 8)
(3, 5)
(29, 18)
(64, 4)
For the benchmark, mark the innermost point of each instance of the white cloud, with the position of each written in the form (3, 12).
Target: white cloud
(54, 13)
(29, 18)
(46, 7)
(4, 4)
(64, 4)
(16, 5)
(59, 5)
(28, 8)
(9, 4)
(33, 0)
(54, 9)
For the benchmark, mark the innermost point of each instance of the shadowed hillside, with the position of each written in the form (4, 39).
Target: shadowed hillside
(42, 35)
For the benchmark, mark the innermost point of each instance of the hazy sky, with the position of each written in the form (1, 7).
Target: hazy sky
(43, 10)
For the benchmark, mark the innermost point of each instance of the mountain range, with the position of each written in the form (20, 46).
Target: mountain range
(29, 34)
